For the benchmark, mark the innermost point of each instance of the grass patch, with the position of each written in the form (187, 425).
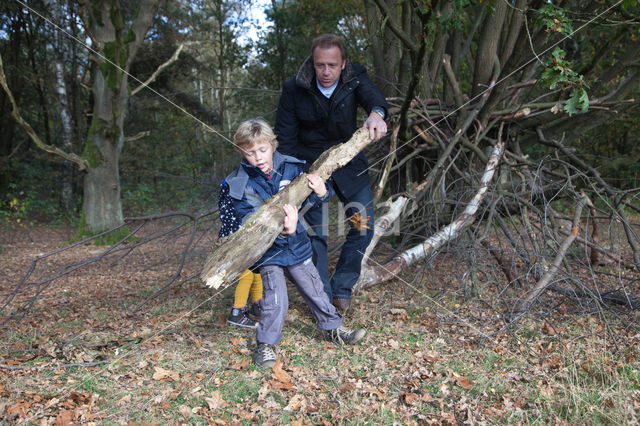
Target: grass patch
(429, 356)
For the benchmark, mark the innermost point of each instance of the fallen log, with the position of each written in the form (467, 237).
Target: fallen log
(243, 248)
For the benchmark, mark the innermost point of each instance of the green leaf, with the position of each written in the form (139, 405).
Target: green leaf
(583, 99)
(577, 102)
(559, 54)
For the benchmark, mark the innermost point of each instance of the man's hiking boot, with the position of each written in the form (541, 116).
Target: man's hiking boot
(344, 336)
(265, 355)
(238, 318)
(254, 312)
(341, 304)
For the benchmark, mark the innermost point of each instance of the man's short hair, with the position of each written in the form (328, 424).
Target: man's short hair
(253, 131)
(325, 41)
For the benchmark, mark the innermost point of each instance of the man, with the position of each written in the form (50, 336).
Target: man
(317, 110)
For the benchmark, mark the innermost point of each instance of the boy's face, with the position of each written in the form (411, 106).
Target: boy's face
(260, 155)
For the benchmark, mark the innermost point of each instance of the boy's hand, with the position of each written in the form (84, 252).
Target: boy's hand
(290, 219)
(317, 184)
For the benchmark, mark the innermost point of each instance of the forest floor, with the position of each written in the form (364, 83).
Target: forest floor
(431, 355)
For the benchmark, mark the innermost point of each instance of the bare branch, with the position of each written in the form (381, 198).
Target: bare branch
(81, 162)
(524, 305)
(159, 70)
(446, 61)
(138, 136)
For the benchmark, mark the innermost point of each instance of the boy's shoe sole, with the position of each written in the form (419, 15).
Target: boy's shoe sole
(251, 325)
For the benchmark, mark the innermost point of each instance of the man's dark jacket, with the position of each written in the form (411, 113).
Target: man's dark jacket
(307, 123)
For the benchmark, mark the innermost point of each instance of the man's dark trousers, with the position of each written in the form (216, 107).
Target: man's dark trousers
(347, 270)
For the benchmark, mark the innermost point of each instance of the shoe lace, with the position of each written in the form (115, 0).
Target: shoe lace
(339, 334)
(267, 352)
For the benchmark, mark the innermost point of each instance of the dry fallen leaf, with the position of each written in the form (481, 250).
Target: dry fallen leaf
(243, 364)
(410, 398)
(20, 408)
(444, 389)
(282, 386)
(548, 329)
(295, 403)
(280, 374)
(185, 411)
(215, 401)
(65, 417)
(264, 390)
(236, 341)
(463, 382)
(346, 387)
(359, 222)
(162, 373)
(374, 391)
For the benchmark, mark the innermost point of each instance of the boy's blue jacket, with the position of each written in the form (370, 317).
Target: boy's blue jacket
(249, 188)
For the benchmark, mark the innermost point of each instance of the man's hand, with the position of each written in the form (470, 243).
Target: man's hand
(317, 184)
(376, 125)
(290, 219)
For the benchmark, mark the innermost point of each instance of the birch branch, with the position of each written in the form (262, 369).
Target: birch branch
(376, 274)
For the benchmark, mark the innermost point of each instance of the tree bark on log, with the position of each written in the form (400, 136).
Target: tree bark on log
(246, 246)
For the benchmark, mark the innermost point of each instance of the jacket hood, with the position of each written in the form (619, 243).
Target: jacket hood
(307, 74)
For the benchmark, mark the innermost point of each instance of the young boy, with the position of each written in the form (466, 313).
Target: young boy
(263, 172)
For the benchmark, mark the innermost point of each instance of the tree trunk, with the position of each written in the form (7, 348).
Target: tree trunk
(384, 50)
(102, 206)
(247, 245)
(488, 48)
(66, 192)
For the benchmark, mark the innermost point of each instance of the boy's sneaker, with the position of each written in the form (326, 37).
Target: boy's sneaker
(254, 312)
(344, 336)
(265, 355)
(238, 318)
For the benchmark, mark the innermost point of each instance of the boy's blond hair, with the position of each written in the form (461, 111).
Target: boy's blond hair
(254, 131)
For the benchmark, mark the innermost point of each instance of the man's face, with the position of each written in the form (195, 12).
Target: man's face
(260, 155)
(328, 64)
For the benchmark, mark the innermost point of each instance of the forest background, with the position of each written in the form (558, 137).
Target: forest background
(513, 152)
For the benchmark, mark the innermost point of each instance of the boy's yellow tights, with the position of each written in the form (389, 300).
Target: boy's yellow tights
(248, 281)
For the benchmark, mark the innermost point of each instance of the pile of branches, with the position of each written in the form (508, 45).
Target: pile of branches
(527, 223)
